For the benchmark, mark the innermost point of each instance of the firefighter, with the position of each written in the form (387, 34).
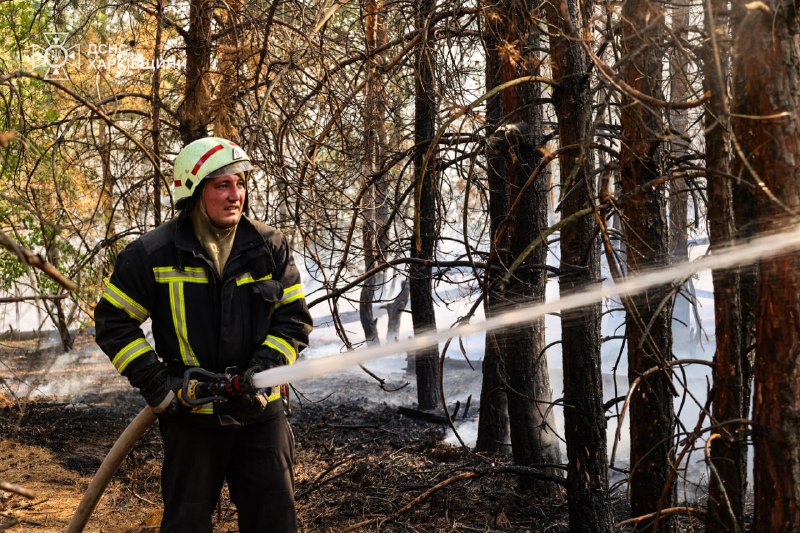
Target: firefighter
(223, 293)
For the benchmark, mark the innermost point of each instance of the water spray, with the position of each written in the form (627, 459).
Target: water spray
(741, 254)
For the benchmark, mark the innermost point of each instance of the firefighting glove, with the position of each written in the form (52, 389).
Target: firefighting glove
(247, 379)
(248, 399)
(170, 403)
(249, 404)
(242, 383)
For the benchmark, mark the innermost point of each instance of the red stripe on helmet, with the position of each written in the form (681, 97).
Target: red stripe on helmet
(203, 159)
(177, 183)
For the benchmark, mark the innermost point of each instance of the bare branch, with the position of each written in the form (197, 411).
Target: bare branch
(35, 260)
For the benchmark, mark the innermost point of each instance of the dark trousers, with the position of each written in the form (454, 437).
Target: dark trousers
(256, 460)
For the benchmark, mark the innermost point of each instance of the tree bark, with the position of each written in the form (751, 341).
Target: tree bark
(648, 321)
(394, 312)
(420, 276)
(229, 58)
(584, 416)
(745, 216)
(727, 483)
(493, 423)
(521, 349)
(680, 91)
(155, 112)
(767, 86)
(195, 109)
(374, 200)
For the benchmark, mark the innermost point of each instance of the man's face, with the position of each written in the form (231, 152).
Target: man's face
(224, 198)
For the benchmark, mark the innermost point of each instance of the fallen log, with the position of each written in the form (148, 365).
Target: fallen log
(425, 416)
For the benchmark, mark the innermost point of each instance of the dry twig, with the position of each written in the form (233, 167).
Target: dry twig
(662, 512)
(16, 489)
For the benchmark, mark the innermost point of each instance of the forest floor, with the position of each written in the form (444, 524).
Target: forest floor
(358, 460)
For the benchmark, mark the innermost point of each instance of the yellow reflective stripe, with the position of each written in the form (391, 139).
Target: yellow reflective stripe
(290, 294)
(275, 395)
(130, 352)
(176, 278)
(248, 278)
(173, 275)
(282, 346)
(178, 306)
(116, 297)
(205, 409)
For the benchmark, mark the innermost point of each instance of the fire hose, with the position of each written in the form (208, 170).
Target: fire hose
(199, 387)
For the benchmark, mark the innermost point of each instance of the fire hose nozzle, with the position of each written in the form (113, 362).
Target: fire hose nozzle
(201, 386)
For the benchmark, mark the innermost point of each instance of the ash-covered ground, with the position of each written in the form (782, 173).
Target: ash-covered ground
(359, 460)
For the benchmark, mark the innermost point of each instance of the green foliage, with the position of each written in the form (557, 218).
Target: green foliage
(11, 269)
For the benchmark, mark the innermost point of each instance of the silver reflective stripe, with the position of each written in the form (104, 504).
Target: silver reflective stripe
(276, 343)
(116, 297)
(130, 352)
(164, 403)
(241, 279)
(290, 294)
(179, 321)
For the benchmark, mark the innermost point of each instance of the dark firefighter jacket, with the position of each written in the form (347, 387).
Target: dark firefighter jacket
(255, 314)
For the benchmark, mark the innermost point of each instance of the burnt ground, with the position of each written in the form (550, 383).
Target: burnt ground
(358, 460)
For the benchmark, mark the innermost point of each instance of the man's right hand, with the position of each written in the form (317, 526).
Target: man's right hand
(239, 384)
(244, 396)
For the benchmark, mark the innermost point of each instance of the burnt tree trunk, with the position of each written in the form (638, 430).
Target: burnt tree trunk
(521, 349)
(55, 308)
(155, 113)
(374, 198)
(745, 217)
(767, 87)
(194, 111)
(648, 321)
(727, 483)
(424, 238)
(394, 312)
(680, 90)
(493, 425)
(584, 416)
(229, 60)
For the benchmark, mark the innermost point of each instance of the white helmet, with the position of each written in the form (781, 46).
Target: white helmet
(205, 158)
